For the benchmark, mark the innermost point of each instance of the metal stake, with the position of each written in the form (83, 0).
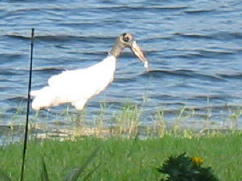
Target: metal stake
(28, 105)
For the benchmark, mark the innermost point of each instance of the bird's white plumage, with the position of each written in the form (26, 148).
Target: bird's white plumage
(75, 86)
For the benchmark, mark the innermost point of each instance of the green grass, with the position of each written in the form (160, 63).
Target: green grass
(122, 154)
(124, 159)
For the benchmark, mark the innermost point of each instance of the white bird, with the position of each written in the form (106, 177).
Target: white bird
(78, 86)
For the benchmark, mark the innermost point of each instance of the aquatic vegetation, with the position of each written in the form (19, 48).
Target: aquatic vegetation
(127, 121)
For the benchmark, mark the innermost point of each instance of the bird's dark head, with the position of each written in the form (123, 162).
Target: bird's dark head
(128, 40)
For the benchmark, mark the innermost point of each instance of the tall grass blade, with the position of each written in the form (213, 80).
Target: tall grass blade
(44, 173)
(134, 144)
(76, 172)
(4, 176)
(91, 172)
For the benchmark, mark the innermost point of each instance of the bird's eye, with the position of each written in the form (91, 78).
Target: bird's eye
(126, 37)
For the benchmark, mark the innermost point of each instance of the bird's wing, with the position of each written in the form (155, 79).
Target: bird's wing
(83, 82)
(67, 78)
(73, 77)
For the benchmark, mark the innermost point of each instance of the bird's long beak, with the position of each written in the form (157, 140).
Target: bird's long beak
(140, 54)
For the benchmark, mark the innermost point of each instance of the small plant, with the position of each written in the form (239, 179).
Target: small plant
(184, 168)
(128, 120)
(160, 126)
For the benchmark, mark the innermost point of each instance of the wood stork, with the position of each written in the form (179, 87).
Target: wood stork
(78, 86)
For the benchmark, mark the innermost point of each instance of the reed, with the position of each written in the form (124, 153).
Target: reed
(127, 122)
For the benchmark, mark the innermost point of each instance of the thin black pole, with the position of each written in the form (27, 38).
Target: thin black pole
(28, 103)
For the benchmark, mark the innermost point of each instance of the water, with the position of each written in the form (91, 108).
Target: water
(194, 49)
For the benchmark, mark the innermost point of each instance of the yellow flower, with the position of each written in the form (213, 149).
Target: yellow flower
(197, 160)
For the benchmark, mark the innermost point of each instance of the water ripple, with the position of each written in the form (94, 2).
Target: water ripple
(181, 73)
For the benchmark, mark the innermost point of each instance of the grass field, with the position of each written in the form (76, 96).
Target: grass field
(126, 151)
(124, 159)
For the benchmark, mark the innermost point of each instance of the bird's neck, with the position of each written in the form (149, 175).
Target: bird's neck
(116, 49)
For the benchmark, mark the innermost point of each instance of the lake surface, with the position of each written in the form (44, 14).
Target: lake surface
(194, 48)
